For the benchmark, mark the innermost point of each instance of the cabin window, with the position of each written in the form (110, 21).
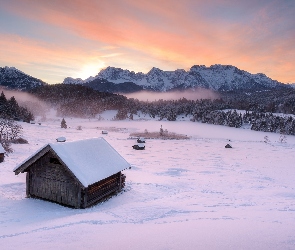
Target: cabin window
(54, 160)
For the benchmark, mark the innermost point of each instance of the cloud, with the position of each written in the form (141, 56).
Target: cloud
(194, 94)
(41, 59)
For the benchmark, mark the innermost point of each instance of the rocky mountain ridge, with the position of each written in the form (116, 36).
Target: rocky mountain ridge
(216, 77)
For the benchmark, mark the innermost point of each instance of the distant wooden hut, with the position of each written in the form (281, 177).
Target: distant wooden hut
(139, 146)
(76, 174)
(104, 132)
(61, 139)
(141, 140)
(2, 153)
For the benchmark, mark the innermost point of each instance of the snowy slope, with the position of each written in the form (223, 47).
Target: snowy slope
(179, 194)
(216, 77)
(13, 78)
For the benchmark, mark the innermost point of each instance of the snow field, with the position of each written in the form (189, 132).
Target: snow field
(179, 194)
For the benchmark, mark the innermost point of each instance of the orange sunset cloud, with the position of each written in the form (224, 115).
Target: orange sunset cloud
(168, 34)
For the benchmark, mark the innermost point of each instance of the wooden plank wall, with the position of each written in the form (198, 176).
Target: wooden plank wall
(1, 157)
(103, 188)
(53, 182)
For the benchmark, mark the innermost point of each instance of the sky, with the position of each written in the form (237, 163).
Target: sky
(55, 39)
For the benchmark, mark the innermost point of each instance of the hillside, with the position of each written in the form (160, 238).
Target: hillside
(12, 78)
(77, 100)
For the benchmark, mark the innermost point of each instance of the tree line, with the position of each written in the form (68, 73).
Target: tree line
(223, 111)
(260, 106)
(10, 112)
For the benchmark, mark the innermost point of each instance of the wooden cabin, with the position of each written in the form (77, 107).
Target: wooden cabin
(77, 174)
(139, 146)
(2, 153)
(141, 140)
(61, 139)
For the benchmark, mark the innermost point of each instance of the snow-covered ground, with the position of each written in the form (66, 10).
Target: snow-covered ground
(179, 194)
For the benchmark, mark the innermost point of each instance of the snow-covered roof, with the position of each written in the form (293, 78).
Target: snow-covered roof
(90, 160)
(61, 139)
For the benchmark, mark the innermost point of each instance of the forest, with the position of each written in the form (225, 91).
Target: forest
(260, 107)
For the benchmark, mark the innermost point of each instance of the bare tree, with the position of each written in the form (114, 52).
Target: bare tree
(9, 130)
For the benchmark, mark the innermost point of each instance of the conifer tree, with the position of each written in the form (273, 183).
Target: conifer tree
(63, 123)
(3, 99)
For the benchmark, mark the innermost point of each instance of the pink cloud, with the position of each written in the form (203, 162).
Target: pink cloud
(174, 33)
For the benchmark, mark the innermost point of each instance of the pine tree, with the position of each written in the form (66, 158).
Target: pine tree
(63, 123)
(13, 108)
(3, 99)
(121, 115)
(3, 105)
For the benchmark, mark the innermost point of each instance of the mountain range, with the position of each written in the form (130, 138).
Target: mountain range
(216, 77)
(116, 80)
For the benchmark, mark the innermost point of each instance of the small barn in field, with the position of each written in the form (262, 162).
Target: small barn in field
(76, 174)
(2, 153)
(139, 146)
(141, 140)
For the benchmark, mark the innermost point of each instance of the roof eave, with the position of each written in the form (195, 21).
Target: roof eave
(23, 167)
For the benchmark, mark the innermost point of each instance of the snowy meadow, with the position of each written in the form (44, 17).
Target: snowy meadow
(179, 194)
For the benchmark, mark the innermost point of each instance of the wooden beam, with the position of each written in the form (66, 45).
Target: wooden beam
(28, 185)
